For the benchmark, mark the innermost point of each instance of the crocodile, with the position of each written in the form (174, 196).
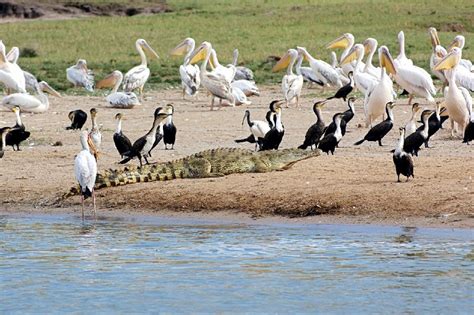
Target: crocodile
(210, 163)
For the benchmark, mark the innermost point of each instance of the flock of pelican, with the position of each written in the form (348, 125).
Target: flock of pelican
(233, 85)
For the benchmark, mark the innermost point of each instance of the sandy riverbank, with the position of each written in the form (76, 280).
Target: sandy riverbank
(357, 185)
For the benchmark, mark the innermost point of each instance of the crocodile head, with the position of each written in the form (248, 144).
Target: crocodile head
(284, 159)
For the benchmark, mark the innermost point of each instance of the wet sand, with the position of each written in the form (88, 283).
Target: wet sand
(356, 185)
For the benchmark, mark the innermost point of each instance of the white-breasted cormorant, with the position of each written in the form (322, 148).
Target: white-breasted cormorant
(403, 162)
(122, 143)
(329, 142)
(273, 138)
(377, 132)
(314, 133)
(169, 128)
(78, 118)
(414, 141)
(17, 133)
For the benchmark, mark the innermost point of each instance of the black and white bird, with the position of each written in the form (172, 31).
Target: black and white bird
(379, 131)
(344, 91)
(78, 118)
(315, 132)
(414, 141)
(434, 123)
(159, 132)
(121, 141)
(258, 128)
(329, 142)
(3, 134)
(142, 146)
(346, 118)
(85, 169)
(18, 132)
(169, 128)
(273, 138)
(402, 160)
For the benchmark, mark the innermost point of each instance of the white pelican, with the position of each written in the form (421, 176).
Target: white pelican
(307, 73)
(410, 126)
(324, 71)
(85, 169)
(457, 99)
(402, 59)
(381, 93)
(363, 81)
(217, 85)
(31, 83)
(437, 54)
(459, 42)
(241, 73)
(291, 83)
(248, 87)
(29, 103)
(118, 99)
(136, 77)
(413, 79)
(190, 78)
(240, 97)
(228, 72)
(370, 46)
(80, 76)
(345, 41)
(11, 74)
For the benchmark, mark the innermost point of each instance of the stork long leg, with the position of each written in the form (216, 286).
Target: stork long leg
(82, 202)
(93, 201)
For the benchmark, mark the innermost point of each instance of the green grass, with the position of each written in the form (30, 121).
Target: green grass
(258, 28)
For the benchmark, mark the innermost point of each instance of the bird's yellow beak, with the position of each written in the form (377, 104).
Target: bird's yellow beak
(434, 37)
(198, 55)
(282, 63)
(386, 61)
(340, 42)
(351, 56)
(50, 90)
(181, 49)
(150, 50)
(107, 82)
(448, 62)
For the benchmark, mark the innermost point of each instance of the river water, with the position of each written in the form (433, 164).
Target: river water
(57, 264)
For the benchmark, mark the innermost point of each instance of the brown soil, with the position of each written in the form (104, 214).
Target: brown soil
(356, 185)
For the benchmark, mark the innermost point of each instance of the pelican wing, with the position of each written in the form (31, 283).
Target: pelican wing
(464, 78)
(135, 78)
(243, 73)
(292, 85)
(79, 77)
(123, 99)
(248, 87)
(240, 97)
(468, 99)
(218, 86)
(309, 75)
(325, 72)
(31, 83)
(416, 77)
(364, 81)
(26, 102)
(188, 78)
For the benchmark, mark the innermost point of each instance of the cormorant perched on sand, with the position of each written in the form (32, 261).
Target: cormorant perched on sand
(469, 131)
(414, 141)
(258, 128)
(329, 142)
(434, 123)
(17, 133)
(159, 132)
(403, 162)
(122, 143)
(273, 138)
(169, 129)
(314, 133)
(346, 117)
(346, 89)
(143, 145)
(78, 118)
(3, 134)
(377, 132)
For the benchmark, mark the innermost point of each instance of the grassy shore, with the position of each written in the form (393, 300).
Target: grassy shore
(258, 28)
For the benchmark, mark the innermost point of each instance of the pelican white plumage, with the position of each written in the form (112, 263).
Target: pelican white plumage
(363, 81)
(345, 41)
(459, 42)
(370, 46)
(228, 72)
(11, 74)
(248, 87)
(136, 77)
(291, 83)
(380, 94)
(118, 99)
(29, 103)
(217, 85)
(85, 170)
(437, 54)
(80, 76)
(324, 71)
(240, 97)
(190, 78)
(402, 59)
(307, 73)
(31, 82)
(241, 73)
(457, 99)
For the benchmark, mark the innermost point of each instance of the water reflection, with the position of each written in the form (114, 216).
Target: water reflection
(58, 264)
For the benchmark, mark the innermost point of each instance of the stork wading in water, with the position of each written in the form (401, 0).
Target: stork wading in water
(136, 77)
(85, 169)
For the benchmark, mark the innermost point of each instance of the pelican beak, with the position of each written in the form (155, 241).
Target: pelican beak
(366, 47)
(340, 42)
(282, 63)
(198, 55)
(434, 37)
(351, 56)
(50, 90)
(181, 49)
(448, 62)
(454, 43)
(107, 82)
(150, 50)
(300, 52)
(386, 60)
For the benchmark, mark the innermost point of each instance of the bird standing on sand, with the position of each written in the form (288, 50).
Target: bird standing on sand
(95, 134)
(3, 134)
(403, 162)
(85, 169)
(258, 129)
(78, 118)
(329, 142)
(377, 132)
(414, 141)
(273, 138)
(80, 76)
(121, 141)
(344, 91)
(314, 133)
(18, 132)
(169, 129)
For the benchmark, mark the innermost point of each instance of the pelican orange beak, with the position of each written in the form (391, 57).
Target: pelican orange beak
(450, 60)
(386, 60)
(200, 53)
(366, 46)
(455, 43)
(340, 42)
(181, 49)
(434, 37)
(282, 63)
(45, 87)
(107, 82)
(148, 48)
(352, 55)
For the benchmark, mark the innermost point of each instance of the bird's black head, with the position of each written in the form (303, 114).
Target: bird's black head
(274, 104)
(157, 111)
